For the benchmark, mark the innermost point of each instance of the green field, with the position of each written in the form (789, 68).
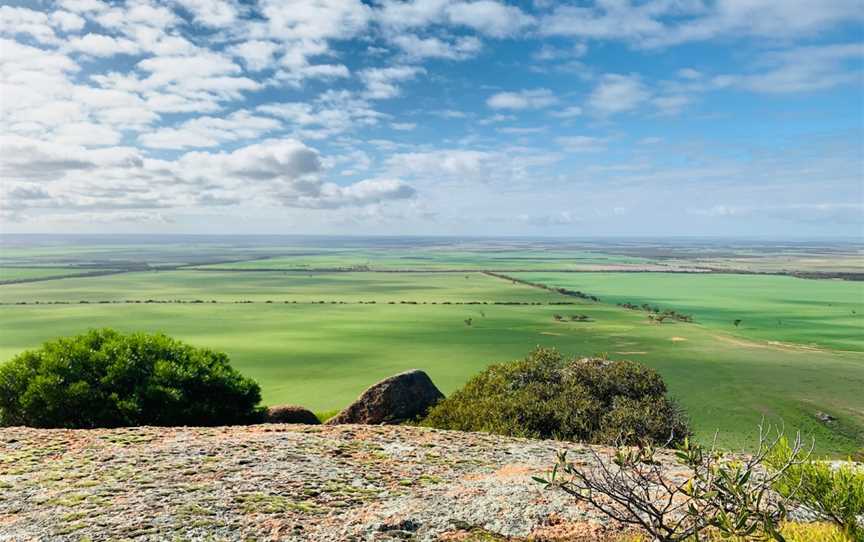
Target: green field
(323, 356)
(10, 274)
(319, 338)
(821, 313)
(470, 259)
(226, 286)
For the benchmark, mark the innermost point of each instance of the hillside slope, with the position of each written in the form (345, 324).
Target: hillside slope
(285, 482)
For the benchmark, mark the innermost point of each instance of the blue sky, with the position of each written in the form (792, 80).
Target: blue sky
(454, 117)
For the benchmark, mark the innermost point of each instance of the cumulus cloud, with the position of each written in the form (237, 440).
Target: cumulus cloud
(415, 47)
(210, 131)
(214, 13)
(101, 45)
(27, 159)
(333, 112)
(256, 54)
(489, 17)
(365, 192)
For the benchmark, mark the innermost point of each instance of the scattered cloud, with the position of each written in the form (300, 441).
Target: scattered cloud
(417, 48)
(524, 99)
(382, 83)
(580, 144)
(617, 94)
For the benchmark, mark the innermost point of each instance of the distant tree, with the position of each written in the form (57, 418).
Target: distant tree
(469, 321)
(737, 322)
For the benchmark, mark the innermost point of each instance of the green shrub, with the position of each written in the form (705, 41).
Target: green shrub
(548, 396)
(103, 378)
(834, 491)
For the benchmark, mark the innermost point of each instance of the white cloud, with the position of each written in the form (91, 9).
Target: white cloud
(415, 47)
(381, 83)
(663, 24)
(568, 112)
(580, 144)
(806, 69)
(315, 19)
(523, 99)
(334, 112)
(214, 13)
(548, 52)
(102, 46)
(210, 131)
(67, 21)
(617, 93)
(23, 21)
(365, 192)
(28, 159)
(489, 17)
(507, 166)
(256, 54)
(689, 73)
(86, 133)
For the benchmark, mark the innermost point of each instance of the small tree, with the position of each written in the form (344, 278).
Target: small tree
(737, 322)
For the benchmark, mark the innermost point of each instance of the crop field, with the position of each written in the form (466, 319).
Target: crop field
(440, 260)
(318, 338)
(12, 274)
(819, 313)
(226, 286)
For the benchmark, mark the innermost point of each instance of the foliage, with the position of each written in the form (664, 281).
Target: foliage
(834, 491)
(103, 378)
(718, 495)
(546, 395)
(813, 532)
(791, 531)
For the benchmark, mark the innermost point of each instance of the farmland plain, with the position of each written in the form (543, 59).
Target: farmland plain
(318, 338)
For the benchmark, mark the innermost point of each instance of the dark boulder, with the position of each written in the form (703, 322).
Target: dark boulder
(397, 399)
(291, 414)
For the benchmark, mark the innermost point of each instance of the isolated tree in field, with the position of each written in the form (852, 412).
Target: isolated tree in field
(469, 321)
(737, 322)
(104, 378)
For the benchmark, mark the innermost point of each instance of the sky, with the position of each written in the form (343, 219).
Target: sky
(721, 118)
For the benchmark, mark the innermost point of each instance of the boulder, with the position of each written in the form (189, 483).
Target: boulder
(399, 398)
(291, 414)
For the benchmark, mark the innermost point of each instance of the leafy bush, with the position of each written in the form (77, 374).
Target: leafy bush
(103, 378)
(715, 497)
(546, 395)
(791, 532)
(834, 491)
